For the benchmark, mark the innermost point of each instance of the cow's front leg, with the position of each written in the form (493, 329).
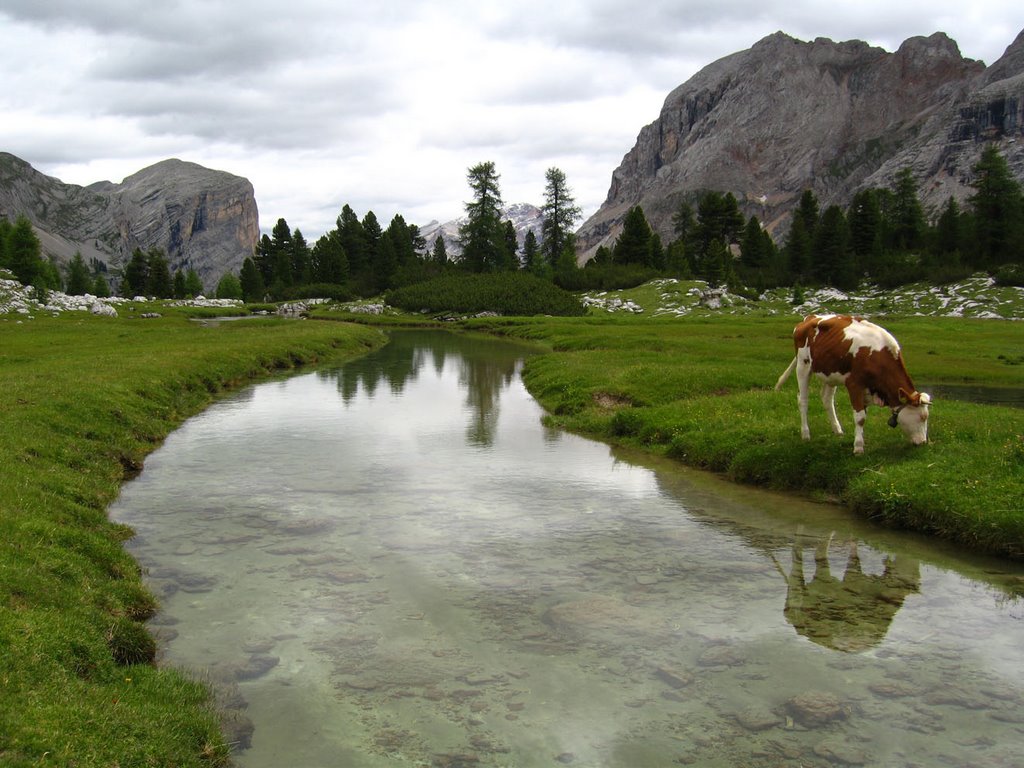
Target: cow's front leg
(860, 414)
(828, 399)
(859, 417)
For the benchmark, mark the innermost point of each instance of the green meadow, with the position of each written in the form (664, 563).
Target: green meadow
(701, 390)
(83, 400)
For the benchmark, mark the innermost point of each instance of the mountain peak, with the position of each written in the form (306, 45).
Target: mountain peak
(785, 116)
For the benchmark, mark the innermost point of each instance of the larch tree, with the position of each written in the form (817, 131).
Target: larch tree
(482, 235)
(560, 214)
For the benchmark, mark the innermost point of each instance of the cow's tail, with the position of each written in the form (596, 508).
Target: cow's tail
(785, 375)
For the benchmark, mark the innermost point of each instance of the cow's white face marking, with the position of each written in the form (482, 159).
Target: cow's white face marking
(913, 420)
(861, 333)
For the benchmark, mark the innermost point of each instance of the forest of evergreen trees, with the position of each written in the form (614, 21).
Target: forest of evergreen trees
(884, 236)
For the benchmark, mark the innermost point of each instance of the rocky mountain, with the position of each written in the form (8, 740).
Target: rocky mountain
(786, 115)
(203, 219)
(524, 218)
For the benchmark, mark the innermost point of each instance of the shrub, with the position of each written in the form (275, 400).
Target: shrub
(334, 291)
(507, 293)
(1010, 274)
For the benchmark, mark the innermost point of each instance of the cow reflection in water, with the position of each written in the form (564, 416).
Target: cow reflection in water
(850, 614)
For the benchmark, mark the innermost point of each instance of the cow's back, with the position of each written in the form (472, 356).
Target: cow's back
(825, 338)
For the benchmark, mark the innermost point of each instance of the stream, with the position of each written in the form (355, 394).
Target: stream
(396, 563)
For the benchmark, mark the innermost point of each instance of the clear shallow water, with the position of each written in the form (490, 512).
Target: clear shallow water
(395, 563)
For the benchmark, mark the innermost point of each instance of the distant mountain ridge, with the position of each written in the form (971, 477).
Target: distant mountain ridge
(786, 115)
(203, 219)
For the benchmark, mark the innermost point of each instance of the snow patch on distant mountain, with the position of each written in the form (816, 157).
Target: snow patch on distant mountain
(524, 218)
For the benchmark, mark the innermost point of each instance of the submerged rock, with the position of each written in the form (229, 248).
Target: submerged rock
(816, 708)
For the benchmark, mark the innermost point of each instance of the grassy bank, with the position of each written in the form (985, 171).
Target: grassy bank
(701, 390)
(82, 401)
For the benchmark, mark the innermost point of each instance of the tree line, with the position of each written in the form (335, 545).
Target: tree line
(146, 273)
(882, 236)
(360, 258)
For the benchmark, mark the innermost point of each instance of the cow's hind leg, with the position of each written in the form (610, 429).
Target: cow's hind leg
(828, 399)
(803, 380)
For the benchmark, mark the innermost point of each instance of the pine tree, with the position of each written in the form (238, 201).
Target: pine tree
(907, 224)
(251, 281)
(353, 240)
(865, 222)
(159, 283)
(229, 287)
(633, 245)
(752, 246)
(531, 252)
(79, 280)
(100, 287)
(23, 252)
(330, 263)
(833, 262)
(482, 236)
(998, 206)
(193, 285)
(179, 284)
(135, 281)
(800, 242)
(510, 256)
(439, 254)
(560, 214)
(302, 269)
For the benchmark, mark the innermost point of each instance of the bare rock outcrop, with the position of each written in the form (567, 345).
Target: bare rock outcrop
(787, 115)
(203, 219)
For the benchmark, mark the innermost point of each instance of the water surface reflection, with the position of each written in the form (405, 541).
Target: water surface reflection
(395, 563)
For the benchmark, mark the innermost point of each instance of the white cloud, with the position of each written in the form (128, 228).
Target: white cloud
(385, 106)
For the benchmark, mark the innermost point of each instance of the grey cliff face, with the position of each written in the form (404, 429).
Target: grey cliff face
(203, 219)
(786, 115)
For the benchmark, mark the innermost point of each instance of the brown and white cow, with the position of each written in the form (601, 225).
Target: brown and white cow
(865, 357)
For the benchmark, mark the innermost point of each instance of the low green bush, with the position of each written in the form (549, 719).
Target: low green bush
(505, 293)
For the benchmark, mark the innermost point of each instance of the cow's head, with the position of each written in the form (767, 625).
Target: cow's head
(912, 416)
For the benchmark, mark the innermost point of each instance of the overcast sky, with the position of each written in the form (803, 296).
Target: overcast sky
(385, 105)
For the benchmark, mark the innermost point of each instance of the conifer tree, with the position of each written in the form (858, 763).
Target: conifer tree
(330, 262)
(865, 222)
(482, 236)
(833, 257)
(301, 266)
(998, 206)
(179, 284)
(531, 252)
(135, 281)
(560, 214)
(633, 245)
(800, 241)
(24, 251)
(193, 285)
(439, 254)
(229, 287)
(511, 247)
(79, 280)
(907, 224)
(251, 281)
(159, 283)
